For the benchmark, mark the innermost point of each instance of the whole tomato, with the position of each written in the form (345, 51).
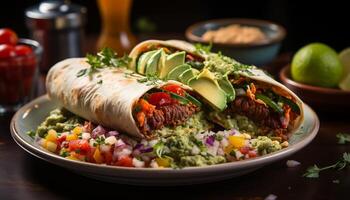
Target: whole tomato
(7, 51)
(8, 36)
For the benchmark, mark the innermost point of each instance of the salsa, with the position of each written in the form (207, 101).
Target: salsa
(72, 137)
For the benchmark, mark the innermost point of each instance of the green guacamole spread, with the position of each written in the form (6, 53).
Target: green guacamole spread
(60, 120)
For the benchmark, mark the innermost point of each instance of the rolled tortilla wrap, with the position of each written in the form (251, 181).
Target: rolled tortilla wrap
(108, 103)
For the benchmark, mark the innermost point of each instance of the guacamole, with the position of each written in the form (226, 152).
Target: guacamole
(59, 120)
(265, 145)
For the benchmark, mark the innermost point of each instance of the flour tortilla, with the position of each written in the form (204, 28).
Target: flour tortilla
(109, 103)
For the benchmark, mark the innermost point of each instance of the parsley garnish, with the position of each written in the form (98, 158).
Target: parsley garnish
(343, 138)
(203, 49)
(31, 133)
(100, 140)
(149, 80)
(100, 82)
(105, 58)
(314, 171)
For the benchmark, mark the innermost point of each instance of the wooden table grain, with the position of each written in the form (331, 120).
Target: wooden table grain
(23, 176)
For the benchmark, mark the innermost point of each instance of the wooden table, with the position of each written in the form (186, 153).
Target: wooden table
(23, 176)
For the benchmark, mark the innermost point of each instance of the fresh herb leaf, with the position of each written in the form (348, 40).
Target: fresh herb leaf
(343, 138)
(149, 80)
(314, 171)
(100, 82)
(100, 140)
(159, 149)
(203, 49)
(105, 58)
(31, 133)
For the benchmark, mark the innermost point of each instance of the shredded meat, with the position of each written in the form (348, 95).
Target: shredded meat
(169, 115)
(259, 113)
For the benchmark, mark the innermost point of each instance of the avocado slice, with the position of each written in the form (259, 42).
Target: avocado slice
(226, 86)
(153, 62)
(177, 71)
(170, 62)
(186, 76)
(208, 87)
(142, 61)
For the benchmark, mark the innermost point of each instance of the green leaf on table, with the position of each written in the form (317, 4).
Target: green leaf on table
(312, 172)
(343, 138)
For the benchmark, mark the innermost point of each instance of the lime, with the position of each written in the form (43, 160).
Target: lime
(317, 64)
(345, 83)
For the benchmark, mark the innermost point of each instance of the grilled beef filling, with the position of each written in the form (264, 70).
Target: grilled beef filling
(259, 113)
(167, 107)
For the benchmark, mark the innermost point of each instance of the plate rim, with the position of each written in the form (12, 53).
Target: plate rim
(229, 166)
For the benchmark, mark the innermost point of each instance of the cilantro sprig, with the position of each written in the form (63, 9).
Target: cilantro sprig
(149, 80)
(314, 171)
(105, 58)
(203, 49)
(343, 138)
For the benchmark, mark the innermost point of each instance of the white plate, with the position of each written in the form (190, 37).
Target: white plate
(30, 116)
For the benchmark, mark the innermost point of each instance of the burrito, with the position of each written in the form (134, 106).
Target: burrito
(238, 95)
(120, 99)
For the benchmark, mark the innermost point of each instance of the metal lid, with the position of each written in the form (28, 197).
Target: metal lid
(54, 14)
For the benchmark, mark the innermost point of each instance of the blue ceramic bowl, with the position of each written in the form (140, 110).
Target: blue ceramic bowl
(257, 53)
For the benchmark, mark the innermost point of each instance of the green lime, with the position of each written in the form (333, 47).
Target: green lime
(317, 64)
(345, 83)
(344, 57)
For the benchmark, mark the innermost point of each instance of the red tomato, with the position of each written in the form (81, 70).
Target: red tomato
(61, 139)
(244, 150)
(175, 89)
(108, 157)
(252, 154)
(8, 36)
(125, 161)
(82, 145)
(7, 51)
(23, 50)
(159, 99)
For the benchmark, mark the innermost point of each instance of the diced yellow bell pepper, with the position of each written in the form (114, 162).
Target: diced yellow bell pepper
(77, 130)
(163, 162)
(51, 146)
(98, 156)
(71, 137)
(51, 135)
(236, 141)
(72, 157)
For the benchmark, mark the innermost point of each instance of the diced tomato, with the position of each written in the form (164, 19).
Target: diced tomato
(160, 99)
(82, 145)
(7, 51)
(244, 150)
(8, 36)
(174, 89)
(252, 154)
(125, 161)
(108, 157)
(61, 139)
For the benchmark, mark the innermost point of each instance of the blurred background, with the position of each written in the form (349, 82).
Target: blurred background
(305, 22)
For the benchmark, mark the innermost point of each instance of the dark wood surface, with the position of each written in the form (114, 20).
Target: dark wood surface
(23, 176)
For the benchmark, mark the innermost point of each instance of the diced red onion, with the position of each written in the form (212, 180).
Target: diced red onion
(112, 133)
(210, 140)
(233, 132)
(146, 149)
(99, 130)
